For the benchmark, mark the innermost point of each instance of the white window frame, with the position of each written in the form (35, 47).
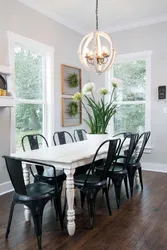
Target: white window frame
(48, 87)
(143, 55)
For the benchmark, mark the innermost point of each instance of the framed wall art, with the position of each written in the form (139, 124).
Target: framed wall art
(71, 112)
(71, 79)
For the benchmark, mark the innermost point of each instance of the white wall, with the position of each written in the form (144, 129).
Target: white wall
(22, 20)
(153, 37)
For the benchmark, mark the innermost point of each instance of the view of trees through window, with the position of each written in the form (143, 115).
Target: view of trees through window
(131, 96)
(29, 92)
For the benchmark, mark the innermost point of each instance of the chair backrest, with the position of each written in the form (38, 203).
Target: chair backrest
(113, 147)
(34, 141)
(15, 170)
(14, 167)
(140, 145)
(62, 137)
(124, 134)
(127, 141)
(79, 134)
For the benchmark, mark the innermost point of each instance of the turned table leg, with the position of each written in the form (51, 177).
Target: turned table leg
(26, 174)
(70, 191)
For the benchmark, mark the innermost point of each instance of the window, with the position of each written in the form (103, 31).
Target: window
(133, 96)
(32, 87)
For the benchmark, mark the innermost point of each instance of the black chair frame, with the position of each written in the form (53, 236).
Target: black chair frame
(41, 176)
(79, 133)
(35, 196)
(33, 142)
(90, 184)
(61, 137)
(118, 171)
(135, 164)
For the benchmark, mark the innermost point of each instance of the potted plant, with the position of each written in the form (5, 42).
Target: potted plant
(99, 110)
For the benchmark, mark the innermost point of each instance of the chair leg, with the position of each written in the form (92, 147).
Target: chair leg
(107, 199)
(75, 202)
(91, 208)
(126, 186)
(109, 182)
(56, 209)
(131, 175)
(82, 195)
(117, 185)
(37, 208)
(10, 219)
(140, 176)
(57, 204)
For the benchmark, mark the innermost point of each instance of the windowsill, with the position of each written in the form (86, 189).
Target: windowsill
(148, 150)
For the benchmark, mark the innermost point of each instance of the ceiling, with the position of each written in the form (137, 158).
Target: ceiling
(114, 15)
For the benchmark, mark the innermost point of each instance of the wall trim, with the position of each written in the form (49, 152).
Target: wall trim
(111, 29)
(6, 187)
(156, 167)
(137, 24)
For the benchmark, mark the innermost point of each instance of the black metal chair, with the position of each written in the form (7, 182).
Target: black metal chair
(35, 196)
(90, 184)
(134, 163)
(79, 134)
(118, 171)
(62, 137)
(124, 134)
(47, 176)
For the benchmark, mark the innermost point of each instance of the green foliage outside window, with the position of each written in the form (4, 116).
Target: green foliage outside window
(29, 86)
(130, 117)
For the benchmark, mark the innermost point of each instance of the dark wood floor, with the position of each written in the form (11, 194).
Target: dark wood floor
(141, 223)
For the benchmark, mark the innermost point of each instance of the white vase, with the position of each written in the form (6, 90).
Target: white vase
(97, 139)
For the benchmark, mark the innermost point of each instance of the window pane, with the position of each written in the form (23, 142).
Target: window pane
(29, 120)
(129, 118)
(28, 74)
(133, 75)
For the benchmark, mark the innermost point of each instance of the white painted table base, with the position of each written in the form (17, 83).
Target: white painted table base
(70, 191)
(26, 174)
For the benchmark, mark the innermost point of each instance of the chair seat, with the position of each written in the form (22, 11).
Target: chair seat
(117, 170)
(39, 189)
(36, 191)
(48, 176)
(134, 164)
(93, 180)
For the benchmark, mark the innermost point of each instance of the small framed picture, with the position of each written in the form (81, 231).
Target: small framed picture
(71, 112)
(71, 79)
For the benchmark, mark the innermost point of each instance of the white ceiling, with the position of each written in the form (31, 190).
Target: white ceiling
(113, 14)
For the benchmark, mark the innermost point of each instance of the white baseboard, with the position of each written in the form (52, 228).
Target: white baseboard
(156, 167)
(6, 187)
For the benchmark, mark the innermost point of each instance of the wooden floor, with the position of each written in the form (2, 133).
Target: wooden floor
(141, 223)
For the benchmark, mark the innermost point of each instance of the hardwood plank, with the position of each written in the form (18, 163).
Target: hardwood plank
(140, 224)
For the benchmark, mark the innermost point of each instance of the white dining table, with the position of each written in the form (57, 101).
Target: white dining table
(68, 157)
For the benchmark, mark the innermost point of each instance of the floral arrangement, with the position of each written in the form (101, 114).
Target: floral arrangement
(99, 111)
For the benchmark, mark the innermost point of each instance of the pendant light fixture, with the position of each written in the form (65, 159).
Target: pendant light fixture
(96, 50)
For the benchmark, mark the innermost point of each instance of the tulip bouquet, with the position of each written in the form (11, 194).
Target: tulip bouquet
(99, 111)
